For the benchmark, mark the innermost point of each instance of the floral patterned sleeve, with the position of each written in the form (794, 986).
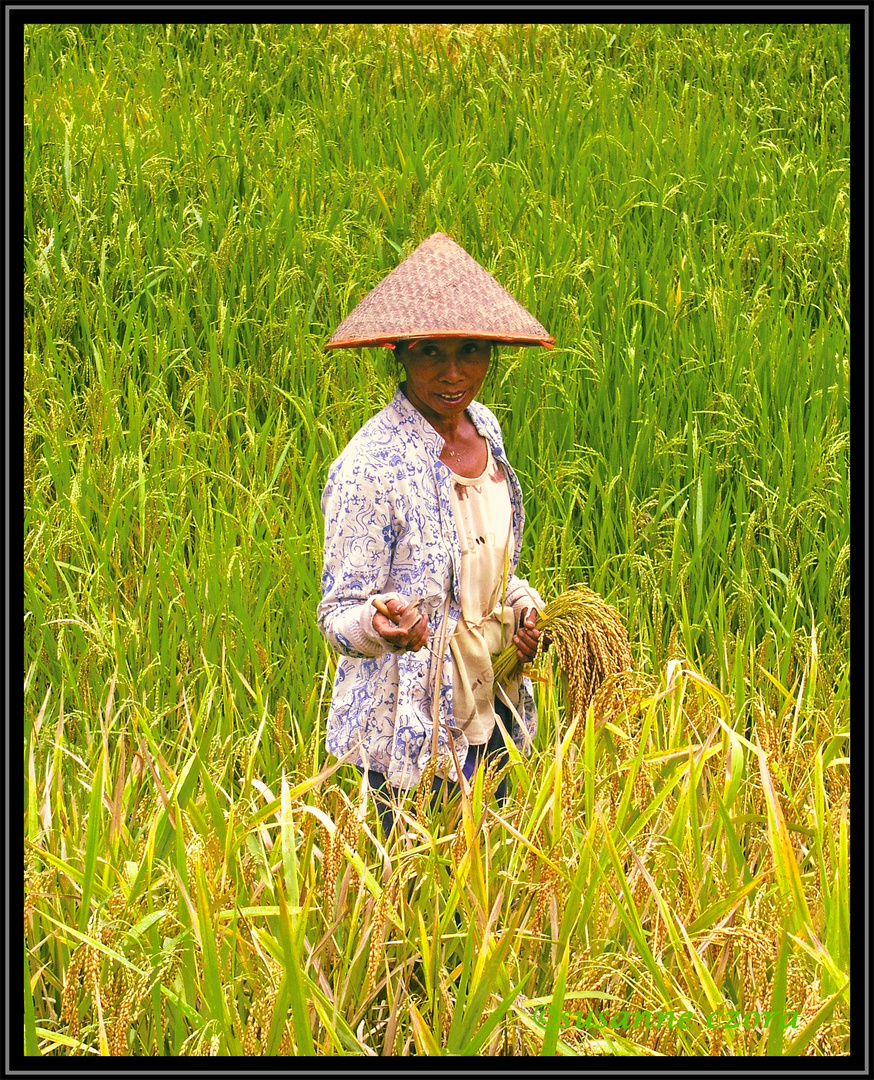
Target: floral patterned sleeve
(359, 542)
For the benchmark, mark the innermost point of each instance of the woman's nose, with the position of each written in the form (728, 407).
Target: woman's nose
(452, 369)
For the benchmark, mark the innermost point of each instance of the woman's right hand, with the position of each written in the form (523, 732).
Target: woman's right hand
(411, 638)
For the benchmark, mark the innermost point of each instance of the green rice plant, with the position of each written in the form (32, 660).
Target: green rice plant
(203, 204)
(501, 870)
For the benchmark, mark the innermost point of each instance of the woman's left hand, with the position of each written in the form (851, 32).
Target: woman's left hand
(526, 637)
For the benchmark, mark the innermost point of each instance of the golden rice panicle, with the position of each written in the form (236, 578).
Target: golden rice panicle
(496, 770)
(333, 842)
(547, 885)
(128, 1011)
(622, 694)
(121, 1024)
(33, 886)
(255, 1036)
(423, 789)
(380, 917)
(70, 993)
(448, 1005)
(91, 963)
(589, 639)
(383, 910)
(459, 846)
(349, 836)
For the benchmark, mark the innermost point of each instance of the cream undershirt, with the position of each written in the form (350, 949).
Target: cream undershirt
(484, 520)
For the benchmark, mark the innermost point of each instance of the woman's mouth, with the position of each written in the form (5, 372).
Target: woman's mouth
(452, 399)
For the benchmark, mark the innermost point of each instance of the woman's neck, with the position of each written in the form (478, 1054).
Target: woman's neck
(465, 451)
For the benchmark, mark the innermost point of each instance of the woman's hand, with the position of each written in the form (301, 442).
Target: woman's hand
(526, 637)
(410, 635)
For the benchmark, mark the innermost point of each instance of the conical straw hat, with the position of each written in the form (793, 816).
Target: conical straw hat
(438, 291)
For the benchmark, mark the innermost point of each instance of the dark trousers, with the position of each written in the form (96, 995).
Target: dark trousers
(493, 750)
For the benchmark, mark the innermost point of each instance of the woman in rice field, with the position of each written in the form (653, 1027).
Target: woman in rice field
(423, 530)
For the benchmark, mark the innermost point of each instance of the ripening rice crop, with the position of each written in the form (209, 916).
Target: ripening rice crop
(203, 203)
(590, 643)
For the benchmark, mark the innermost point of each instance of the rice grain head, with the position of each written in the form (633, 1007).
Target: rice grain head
(70, 994)
(424, 787)
(384, 909)
(590, 643)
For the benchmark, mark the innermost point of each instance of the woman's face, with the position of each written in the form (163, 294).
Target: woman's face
(444, 375)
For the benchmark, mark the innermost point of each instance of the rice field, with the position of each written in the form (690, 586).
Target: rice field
(203, 205)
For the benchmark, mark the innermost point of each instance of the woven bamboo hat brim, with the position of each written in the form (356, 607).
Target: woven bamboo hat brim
(438, 291)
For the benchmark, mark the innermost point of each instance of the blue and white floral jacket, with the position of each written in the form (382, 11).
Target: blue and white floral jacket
(390, 532)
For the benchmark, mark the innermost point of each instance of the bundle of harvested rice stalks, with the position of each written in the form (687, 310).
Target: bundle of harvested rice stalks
(589, 639)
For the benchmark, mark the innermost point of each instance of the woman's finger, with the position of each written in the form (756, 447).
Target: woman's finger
(527, 636)
(413, 639)
(389, 630)
(410, 618)
(419, 634)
